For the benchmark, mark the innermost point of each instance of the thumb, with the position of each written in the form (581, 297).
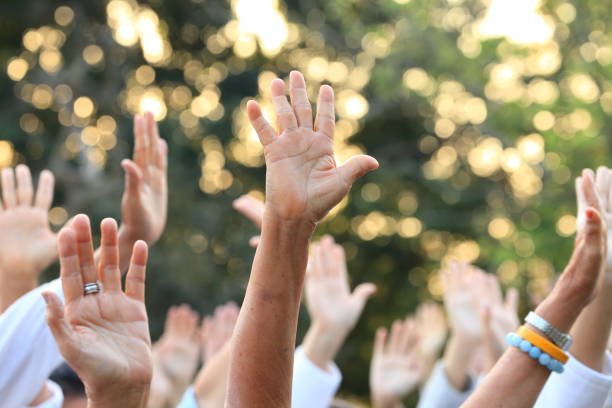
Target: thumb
(55, 318)
(356, 167)
(362, 293)
(133, 176)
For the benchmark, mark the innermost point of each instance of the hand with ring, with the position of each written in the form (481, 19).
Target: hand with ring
(102, 332)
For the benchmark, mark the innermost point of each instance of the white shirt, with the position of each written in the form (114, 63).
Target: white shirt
(56, 400)
(28, 353)
(439, 393)
(578, 386)
(313, 387)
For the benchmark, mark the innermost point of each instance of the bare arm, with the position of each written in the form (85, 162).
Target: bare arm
(516, 380)
(302, 184)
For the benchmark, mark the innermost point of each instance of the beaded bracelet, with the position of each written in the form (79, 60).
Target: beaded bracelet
(534, 352)
(543, 344)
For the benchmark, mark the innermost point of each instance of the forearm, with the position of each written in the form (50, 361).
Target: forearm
(264, 338)
(592, 329)
(210, 386)
(457, 358)
(321, 345)
(14, 284)
(517, 379)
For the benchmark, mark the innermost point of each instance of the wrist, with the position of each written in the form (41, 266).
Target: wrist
(386, 401)
(129, 397)
(561, 309)
(321, 344)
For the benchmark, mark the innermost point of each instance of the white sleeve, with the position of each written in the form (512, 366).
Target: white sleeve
(56, 400)
(189, 399)
(313, 387)
(439, 393)
(577, 387)
(28, 353)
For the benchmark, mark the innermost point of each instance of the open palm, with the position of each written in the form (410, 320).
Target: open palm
(328, 295)
(144, 204)
(104, 337)
(302, 179)
(396, 364)
(26, 243)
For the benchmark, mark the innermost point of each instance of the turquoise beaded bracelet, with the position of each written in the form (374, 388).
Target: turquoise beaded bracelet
(534, 352)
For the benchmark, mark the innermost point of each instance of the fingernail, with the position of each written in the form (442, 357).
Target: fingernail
(590, 214)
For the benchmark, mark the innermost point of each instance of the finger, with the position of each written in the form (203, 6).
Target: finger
(161, 160)
(379, 342)
(251, 208)
(355, 167)
(299, 99)
(340, 262)
(410, 336)
(361, 294)
(586, 261)
(70, 272)
(108, 267)
(8, 188)
(140, 142)
(24, 186)
(56, 321)
(135, 279)
(44, 192)
(152, 138)
(254, 241)
(512, 300)
(84, 244)
(601, 183)
(264, 130)
(589, 190)
(133, 178)
(325, 122)
(396, 337)
(580, 195)
(284, 113)
(609, 192)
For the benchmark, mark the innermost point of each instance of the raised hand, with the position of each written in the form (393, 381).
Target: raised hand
(103, 336)
(396, 367)
(461, 301)
(499, 317)
(302, 179)
(27, 244)
(217, 330)
(433, 329)
(145, 199)
(333, 309)
(329, 300)
(175, 355)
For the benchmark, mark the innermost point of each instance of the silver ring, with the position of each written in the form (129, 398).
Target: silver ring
(91, 288)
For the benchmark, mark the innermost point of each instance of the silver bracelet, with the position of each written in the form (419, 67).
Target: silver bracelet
(560, 339)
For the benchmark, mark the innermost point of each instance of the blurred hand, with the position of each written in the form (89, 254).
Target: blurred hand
(27, 244)
(579, 279)
(396, 366)
(217, 330)
(175, 355)
(302, 180)
(145, 199)
(104, 337)
(603, 185)
(498, 317)
(253, 209)
(329, 300)
(461, 300)
(432, 328)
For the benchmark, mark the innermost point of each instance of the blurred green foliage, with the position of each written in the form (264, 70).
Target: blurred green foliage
(479, 139)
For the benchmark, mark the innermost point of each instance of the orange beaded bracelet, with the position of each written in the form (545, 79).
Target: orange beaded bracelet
(543, 344)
